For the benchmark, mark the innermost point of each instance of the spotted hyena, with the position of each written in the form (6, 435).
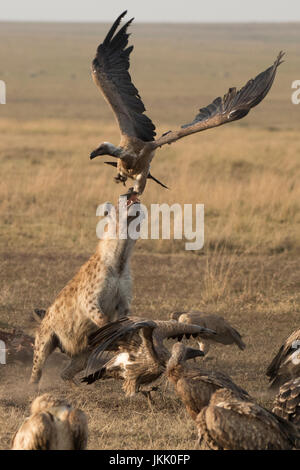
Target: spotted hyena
(100, 292)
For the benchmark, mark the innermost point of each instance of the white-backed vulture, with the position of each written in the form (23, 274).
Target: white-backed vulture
(137, 146)
(230, 422)
(52, 425)
(195, 385)
(142, 356)
(225, 333)
(286, 364)
(287, 401)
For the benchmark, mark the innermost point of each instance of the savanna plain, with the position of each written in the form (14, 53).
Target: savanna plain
(246, 174)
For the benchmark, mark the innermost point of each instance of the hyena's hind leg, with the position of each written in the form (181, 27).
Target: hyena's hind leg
(76, 364)
(45, 343)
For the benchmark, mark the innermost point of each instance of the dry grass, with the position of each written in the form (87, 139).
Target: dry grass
(246, 175)
(50, 192)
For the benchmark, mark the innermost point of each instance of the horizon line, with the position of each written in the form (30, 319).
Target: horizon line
(151, 22)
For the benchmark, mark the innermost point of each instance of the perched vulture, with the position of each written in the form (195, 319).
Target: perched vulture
(195, 385)
(138, 145)
(286, 364)
(141, 355)
(230, 422)
(52, 425)
(225, 333)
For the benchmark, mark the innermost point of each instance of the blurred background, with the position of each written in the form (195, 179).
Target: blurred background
(193, 11)
(244, 173)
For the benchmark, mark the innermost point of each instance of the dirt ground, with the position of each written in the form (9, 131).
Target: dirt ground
(259, 298)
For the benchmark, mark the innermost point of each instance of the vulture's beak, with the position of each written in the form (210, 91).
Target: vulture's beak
(95, 153)
(191, 353)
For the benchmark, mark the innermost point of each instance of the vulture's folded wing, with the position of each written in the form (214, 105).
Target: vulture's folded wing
(35, 433)
(286, 350)
(79, 427)
(238, 424)
(287, 401)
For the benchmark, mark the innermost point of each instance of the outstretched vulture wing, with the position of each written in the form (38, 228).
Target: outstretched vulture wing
(115, 335)
(110, 73)
(233, 106)
(166, 329)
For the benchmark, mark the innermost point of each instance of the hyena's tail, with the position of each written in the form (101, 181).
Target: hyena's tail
(35, 320)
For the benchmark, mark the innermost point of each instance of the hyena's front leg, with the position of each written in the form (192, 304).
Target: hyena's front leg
(92, 309)
(45, 343)
(123, 307)
(124, 295)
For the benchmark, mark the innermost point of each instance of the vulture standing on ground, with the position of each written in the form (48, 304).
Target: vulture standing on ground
(53, 425)
(287, 401)
(286, 364)
(195, 385)
(137, 146)
(141, 355)
(225, 333)
(232, 423)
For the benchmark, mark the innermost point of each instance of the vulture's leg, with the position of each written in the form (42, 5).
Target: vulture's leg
(132, 196)
(120, 179)
(147, 394)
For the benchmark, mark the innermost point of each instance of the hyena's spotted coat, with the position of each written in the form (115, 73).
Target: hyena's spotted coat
(100, 292)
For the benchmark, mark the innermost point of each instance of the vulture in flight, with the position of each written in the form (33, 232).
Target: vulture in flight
(140, 354)
(138, 145)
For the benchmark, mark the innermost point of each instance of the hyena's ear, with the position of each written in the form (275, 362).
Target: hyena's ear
(38, 314)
